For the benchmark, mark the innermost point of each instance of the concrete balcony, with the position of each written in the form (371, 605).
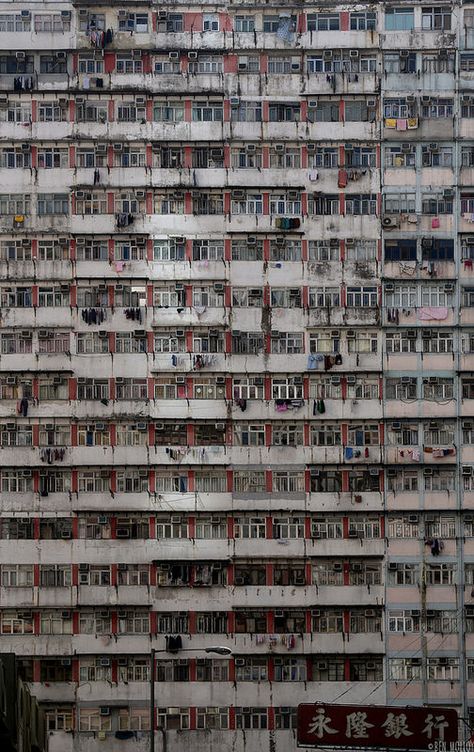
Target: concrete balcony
(403, 455)
(444, 270)
(186, 317)
(320, 40)
(28, 40)
(395, 409)
(317, 84)
(410, 317)
(418, 39)
(414, 83)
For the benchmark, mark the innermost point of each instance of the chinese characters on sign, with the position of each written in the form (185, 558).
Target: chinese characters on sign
(375, 726)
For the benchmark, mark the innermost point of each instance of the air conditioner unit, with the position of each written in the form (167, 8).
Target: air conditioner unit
(391, 472)
(413, 518)
(411, 99)
(104, 711)
(26, 147)
(311, 148)
(449, 288)
(80, 100)
(238, 194)
(371, 103)
(466, 470)
(297, 379)
(11, 380)
(242, 64)
(159, 426)
(220, 426)
(79, 194)
(427, 471)
(218, 287)
(220, 380)
(25, 14)
(292, 195)
(176, 519)
(312, 103)
(448, 193)
(123, 532)
(180, 332)
(136, 54)
(388, 222)
(426, 99)
(336, 380)
(374, 471)
(20, 55)
(279, 148)
(431, 612)
(405, 380)
(118, 147)
(140, 101)
(192, 55)
(65, 614)
(140, 194)
(61, 55)
(406, 147)
(350, 334)
(389, 287)
(173, 55)
(426, 333)
(327, 54)
(66, 662)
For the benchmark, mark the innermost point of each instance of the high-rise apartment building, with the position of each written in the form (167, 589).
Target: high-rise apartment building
(236, 363)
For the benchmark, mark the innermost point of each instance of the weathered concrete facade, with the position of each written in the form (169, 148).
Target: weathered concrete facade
(237, 403)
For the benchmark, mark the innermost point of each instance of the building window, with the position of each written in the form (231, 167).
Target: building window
(433, 19)
(244, 24)
(399, 19)
(134, 22)
(365, 21)
(323, 22)
(210, 22)
(251, 718)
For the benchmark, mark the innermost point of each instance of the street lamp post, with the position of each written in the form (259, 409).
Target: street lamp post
(217, 649)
